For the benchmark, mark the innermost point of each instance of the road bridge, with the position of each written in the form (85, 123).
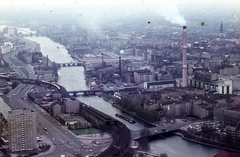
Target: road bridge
(136, 134)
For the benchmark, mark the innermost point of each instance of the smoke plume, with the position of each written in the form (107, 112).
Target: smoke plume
(171, 13)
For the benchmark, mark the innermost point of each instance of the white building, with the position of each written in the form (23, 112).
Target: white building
(143, 76)
(6, 47)
(211, 83)
(4, 108)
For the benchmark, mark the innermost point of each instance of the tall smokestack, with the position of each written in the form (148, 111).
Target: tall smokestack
(102, 60)
(120, 67)
(184, 64)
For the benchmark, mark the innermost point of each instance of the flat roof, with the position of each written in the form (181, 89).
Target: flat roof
(210, 82)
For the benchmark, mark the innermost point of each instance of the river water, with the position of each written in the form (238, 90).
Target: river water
(72, 78)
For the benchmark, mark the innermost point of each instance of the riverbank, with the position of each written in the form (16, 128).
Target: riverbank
(178, 133)
(72, 78)
(114, 104)
(134, 115)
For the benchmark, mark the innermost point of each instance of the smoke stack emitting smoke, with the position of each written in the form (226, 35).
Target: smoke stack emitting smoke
(171, 13)
(184, 64)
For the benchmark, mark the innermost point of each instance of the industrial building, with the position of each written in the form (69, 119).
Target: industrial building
(210, 82)
(159, 84)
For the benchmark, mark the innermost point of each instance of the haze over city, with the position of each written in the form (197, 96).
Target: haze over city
(125, 78)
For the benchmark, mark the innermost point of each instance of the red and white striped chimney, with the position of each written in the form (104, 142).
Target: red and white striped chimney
(184, 64)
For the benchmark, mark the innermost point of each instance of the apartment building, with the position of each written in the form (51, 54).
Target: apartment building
(22, 130)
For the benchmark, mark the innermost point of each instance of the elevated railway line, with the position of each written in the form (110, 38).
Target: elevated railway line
(120, 133)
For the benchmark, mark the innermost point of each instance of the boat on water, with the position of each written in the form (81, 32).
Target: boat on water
(125, 118)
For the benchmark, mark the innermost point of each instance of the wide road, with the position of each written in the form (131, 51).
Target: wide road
(64, 141)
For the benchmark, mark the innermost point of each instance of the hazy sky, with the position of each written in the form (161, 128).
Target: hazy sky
(21, 4)
(94, 11)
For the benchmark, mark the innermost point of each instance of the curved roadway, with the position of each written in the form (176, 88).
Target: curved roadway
(64, 141)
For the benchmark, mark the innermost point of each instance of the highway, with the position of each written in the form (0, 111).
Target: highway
(64, 141)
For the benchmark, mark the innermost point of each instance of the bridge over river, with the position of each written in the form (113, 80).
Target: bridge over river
(136, 134)
(120, 133)
(95, 91)
(71, 64)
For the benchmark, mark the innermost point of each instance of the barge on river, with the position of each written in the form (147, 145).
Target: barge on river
(125, 118)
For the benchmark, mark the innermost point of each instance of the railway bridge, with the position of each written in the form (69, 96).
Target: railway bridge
(70, 64)
(120, 133)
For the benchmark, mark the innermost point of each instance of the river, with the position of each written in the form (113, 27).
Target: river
(72, 78)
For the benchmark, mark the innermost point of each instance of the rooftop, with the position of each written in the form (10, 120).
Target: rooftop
(236, 109)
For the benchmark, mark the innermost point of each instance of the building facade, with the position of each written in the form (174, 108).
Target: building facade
(232, 116)
(143, 76)
(211, 83)
(22, 130)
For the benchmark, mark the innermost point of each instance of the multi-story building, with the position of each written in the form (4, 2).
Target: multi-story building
(232, 116)
(143, 76)
(10, 31)
(159, 84)
(22, 130)
(72, 106)
(56, 109)
(210, 82)
(4, 108)
(5, 49)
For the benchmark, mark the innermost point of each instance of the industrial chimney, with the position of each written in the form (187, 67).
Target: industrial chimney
(102, 60)
(184, 64)
(120, 67)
